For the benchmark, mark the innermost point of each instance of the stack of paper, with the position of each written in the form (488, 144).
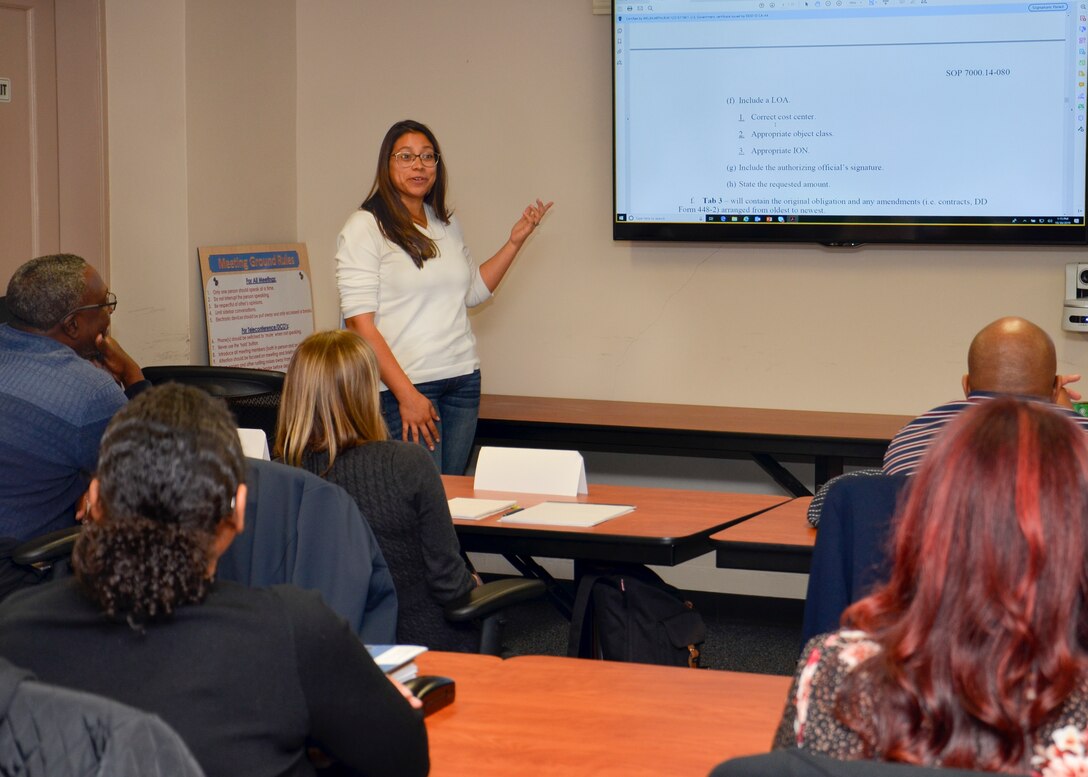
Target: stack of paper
(578, 514)
(397, 661)
(475, 509)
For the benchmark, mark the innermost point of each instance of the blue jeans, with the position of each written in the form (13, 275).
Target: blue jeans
(457, 401)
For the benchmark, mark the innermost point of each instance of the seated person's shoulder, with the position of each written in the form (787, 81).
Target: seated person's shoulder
(952, 406)
(276, 474)
(306, 613)
(45, 597)
(407, 454)
(402, 448)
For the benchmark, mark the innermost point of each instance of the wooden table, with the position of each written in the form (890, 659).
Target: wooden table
(691, 430)
(667, 527)
(545, 715)
(778, 540)
(463, 667)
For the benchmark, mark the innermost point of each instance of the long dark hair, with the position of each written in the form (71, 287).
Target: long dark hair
(983, 623)
(168, 469)
(394, 220)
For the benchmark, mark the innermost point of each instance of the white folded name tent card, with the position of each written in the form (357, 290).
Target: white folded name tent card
(530, 471)
(254, 443)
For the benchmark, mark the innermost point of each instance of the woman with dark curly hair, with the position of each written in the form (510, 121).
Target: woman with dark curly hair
(974, 655)
(249, 677)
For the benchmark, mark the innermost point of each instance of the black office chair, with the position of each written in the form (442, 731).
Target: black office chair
(44, 551)
(252, 395)
(486, 604)
(5, 314)
(34, 561)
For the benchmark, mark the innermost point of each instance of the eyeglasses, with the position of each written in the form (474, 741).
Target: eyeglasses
(110, 304)
(405, 158)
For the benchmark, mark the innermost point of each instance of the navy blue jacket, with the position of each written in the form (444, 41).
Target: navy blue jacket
(308, 532)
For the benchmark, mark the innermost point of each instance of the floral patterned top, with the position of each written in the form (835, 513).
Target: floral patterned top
(809, 722)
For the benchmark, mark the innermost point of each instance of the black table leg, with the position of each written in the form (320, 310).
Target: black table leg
(781, 475)
(560, 597)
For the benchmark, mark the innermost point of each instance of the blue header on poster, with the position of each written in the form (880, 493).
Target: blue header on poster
(264, 260)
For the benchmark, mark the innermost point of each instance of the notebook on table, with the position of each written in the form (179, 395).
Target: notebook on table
(576, 514)
(474, 509)
(397, 661)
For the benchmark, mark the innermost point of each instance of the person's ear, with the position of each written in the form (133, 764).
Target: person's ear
(966, 382)
(229, 527)
(66, 330)
(238, 515)
(94, 501)
(1058, 393)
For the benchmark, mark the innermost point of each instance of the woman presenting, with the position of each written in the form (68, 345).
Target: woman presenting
(406, 280)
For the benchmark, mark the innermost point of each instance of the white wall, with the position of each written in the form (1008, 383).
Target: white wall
(148, 181)
(241, 94)
(234, 121)
(202, 116)
(519, 93)
(239, 121)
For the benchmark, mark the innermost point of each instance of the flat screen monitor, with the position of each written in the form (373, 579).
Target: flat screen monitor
(850, 121)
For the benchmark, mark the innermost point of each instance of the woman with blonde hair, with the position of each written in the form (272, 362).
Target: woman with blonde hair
(331, 424)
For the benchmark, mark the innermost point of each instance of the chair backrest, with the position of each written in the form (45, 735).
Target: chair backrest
(816, 506)
(303, 530)
(851, 552)
(5, 314)
(46, 729)
(800, 763)
(252, 395)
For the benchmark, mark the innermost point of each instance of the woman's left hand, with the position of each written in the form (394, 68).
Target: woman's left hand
(530, 220)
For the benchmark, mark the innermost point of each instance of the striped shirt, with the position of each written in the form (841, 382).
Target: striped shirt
(905, 452)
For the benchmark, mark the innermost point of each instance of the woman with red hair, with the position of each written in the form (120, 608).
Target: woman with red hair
(975, 654)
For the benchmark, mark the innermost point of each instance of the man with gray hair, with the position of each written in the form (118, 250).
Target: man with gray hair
(62, 377)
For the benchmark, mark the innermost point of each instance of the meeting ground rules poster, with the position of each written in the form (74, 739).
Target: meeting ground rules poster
(258, 303)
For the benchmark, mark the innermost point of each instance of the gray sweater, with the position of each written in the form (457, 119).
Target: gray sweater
(399, 491)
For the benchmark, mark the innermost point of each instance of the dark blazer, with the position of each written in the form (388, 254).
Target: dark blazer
(851, 552)
(303, 530)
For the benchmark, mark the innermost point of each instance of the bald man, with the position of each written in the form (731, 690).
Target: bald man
(1009, 356)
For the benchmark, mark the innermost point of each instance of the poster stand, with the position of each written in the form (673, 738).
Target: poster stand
(258, 303)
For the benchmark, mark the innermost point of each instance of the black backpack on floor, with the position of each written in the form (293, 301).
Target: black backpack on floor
(628, 613)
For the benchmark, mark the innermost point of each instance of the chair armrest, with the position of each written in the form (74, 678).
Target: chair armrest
(492, 597)
(48, 547)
